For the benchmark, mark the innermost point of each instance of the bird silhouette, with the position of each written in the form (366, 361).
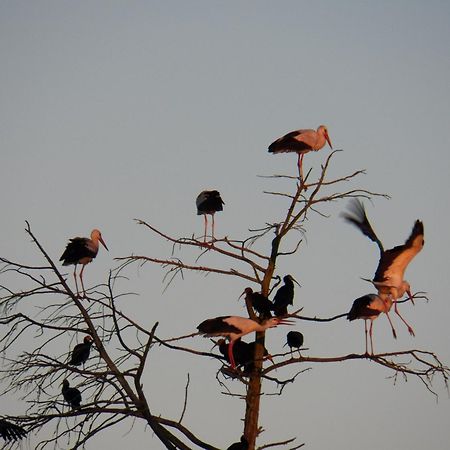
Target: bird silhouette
(284, 296)
(71, 395)
(80, 352)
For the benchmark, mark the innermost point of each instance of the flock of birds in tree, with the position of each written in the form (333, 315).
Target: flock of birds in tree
(388, 280)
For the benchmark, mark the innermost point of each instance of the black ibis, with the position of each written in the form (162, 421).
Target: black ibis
(391, 268)
(284, 296)
(260, 303)
(80, 352)
(234, 327)
(71, 395)
(241, 445)
(82, 251)
(243, 352)
(301, 142)
(209, 202)
(10, 431)
(369, 307)
(294, 340)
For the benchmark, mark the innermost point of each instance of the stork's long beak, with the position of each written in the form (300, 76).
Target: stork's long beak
(103, 243)
(295, 281)
(328, 140)
(285, 322)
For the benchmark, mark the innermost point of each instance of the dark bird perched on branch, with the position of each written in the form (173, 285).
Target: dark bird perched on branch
(10, 431)
(80, 352)
(294, 340)
(369, 307)
(71, 395)
(234, 327)
(284, 296)
(389, 276)
(301, 142)
(241, 445)
(243, 352)
(260, 303)
(209, 202)
(82, 251)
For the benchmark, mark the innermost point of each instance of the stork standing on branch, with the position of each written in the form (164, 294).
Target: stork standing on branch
(369, 307)
(81, 250)
(301, 142)
(209, 202)
(234, 327)
(389, 276)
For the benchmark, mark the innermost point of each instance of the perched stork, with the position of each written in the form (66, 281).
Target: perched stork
(369, 307)
(260, 303)
(10, 431)
(80, 352)
(82, 251)
(284, 296)
(391, 268)
(71, 395)
(243, 352)
(209, 202)
(241, 445)
(294, 340)
(234, 327)
(301, 142)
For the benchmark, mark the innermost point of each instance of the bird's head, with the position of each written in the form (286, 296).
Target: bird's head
(288, 278)
(65, 383)
(88, 339)
(97, 236)
(324, 130)
(247, 291)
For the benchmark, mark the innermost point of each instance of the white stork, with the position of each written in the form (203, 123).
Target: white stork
(234, 327)
(389, 276)
(369, 307)
(209, 202)
(301, 142)
(82, 251)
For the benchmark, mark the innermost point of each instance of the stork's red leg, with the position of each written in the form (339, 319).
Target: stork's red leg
(371, 336)
(212, 227)
(230, 355)
(75, 277)
(81, 279)
(411, 331)
(300, 166)
(365, 332)
(206, 227)
(392, 326)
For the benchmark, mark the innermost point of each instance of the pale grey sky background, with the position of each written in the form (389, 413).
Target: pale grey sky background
(116, 110)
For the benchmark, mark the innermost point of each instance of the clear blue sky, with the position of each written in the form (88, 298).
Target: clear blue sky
(113, 110)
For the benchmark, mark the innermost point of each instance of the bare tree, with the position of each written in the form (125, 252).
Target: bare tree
(110, 382)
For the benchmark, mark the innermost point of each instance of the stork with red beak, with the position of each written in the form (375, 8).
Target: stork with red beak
(234, 327)
(81, 250)
(389, 276)
(301, 142)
